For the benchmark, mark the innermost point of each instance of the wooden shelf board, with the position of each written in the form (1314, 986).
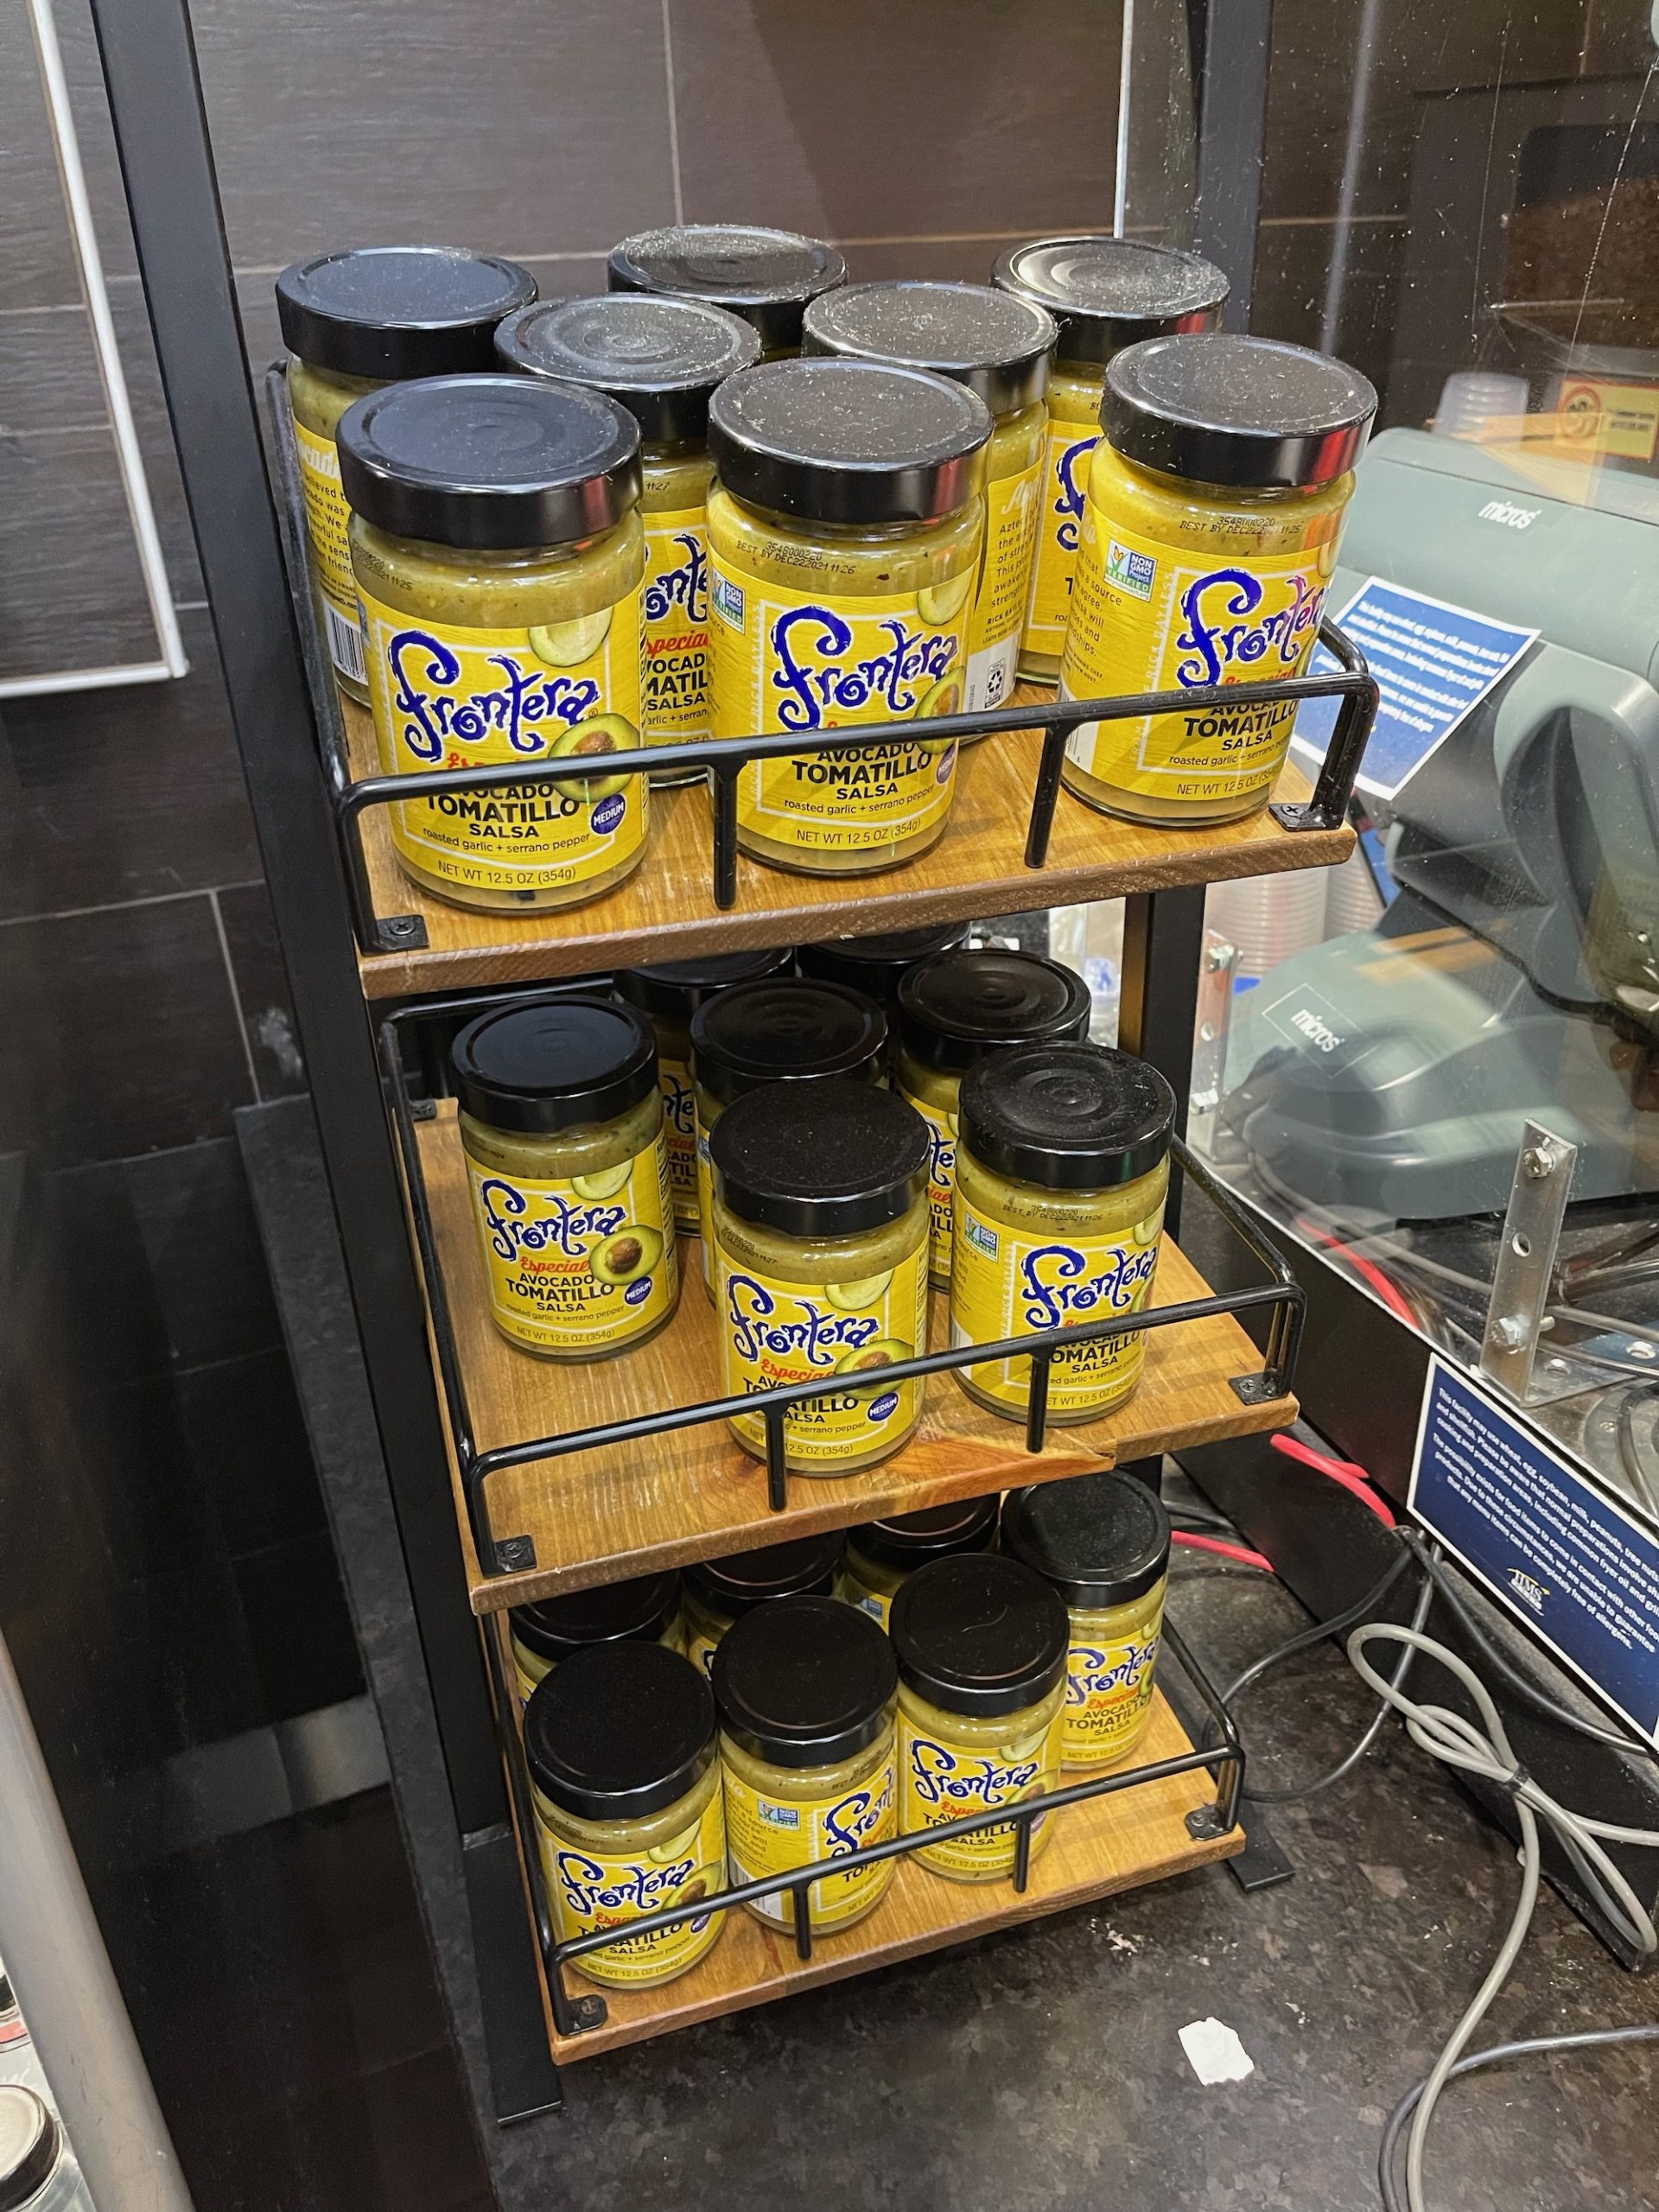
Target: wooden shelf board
(1114, 1843)
(666, 910)
(596, 1517)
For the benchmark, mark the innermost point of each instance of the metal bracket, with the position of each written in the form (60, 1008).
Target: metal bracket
(1253, 1389)
(400, 933)
(1526, 1259)
(1203, 1824)
(514, 1554)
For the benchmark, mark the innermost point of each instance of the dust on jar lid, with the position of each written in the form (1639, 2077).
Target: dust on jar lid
(979, 1634)
(674, 989)
(805, 1682)
(619, 1731)
(1216, 409)
(660, 358)
(849, 442)
(1101, 1540)
(1068, 1117)
(535, 1068)
(957, 1005)
(908, 1540)
(620, 1612)
(1107, 293)
(995, 343)
(492, 463)
(806, 1567)
(829, 1158)
(388, 312)
(875, 965)
(31, 2143)
(785, 1030)
(766, 276)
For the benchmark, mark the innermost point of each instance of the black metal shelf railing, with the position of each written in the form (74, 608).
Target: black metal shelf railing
(724, 759)
(1281, 1298)
(581, 2014)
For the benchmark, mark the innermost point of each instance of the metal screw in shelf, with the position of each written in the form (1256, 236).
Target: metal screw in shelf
(515, 1555)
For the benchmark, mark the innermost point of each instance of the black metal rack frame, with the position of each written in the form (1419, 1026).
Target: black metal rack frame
(265, 656)
(573, 2016)
(1281, 1298)
(725, 759)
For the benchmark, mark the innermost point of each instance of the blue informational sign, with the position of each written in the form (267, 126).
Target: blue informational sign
(1432, 663)
(1582, 1572)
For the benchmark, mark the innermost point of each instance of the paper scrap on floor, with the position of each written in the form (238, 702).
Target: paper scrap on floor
(1215, 2053)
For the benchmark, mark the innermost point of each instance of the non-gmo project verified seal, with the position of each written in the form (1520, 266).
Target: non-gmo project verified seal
(1131, 571)
(728, 601)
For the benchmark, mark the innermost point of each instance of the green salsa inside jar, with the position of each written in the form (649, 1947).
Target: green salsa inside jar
(821, 1265)
(353, 322)
(561, 1122)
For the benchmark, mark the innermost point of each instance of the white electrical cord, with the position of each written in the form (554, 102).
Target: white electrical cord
(1485, 1751)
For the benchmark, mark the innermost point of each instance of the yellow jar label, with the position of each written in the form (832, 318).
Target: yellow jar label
(797, 660)
(581, 1266)
(1108, 1690)
(705, 1196)
(680, 1136)
(773, 1333)
(1151, 617)
(449, 697)
(593, 1890)
(328, 520)
(674, 613)
(1011, 505)
(941, 1182)
(700, 1650)
(939, 1783)
(1005, 1283)
(767, 1834)
(528, 1668)
(1065, 480)
(855, 1592)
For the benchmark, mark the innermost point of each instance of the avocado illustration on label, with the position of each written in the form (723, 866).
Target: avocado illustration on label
(943, 602)
(603, 1183)
(628, 1253)
(567, 644)
(886, 1351)
(945, 697)
(854, 1297)
(598, 734)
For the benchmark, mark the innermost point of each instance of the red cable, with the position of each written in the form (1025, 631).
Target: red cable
(1351, 1476)
(1225, 1551)
(1365, 1269)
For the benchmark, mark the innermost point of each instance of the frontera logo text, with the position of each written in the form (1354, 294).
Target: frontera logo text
(424, 667)
(685, 585)
(1060, 1284)
(1070, 479)
(1224, 629)
(819, 683)
(761, 1323)
(561, 1227)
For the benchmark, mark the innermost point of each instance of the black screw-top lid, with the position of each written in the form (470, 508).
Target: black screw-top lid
(660, 358)
(553, 1064)
(994, 342)
(829, 1158)
(489, 463)
(876, 964)
(849, 442)
(766, 277)
(1107, 293)
(619, 1730)
(31, 2141)
(908, 1540)
(958, 1006)
(1216, 409)
(639, 1610)
(805, 1682)
(783, 1030)
(674, 989)
(1069, 1117)
(805, 1568)
(395, 311)
(1101, 1540)
(979, 1634)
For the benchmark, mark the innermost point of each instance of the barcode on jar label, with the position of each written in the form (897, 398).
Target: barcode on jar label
(345, 645)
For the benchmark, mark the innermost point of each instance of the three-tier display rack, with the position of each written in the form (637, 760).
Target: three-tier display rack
(510, 1483)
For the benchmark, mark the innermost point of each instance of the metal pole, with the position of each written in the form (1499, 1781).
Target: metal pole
(1163, 948)
(66, 1987)
(1233, 93)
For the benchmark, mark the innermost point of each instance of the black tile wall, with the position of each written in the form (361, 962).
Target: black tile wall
(261, 990)
(195, 1222)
